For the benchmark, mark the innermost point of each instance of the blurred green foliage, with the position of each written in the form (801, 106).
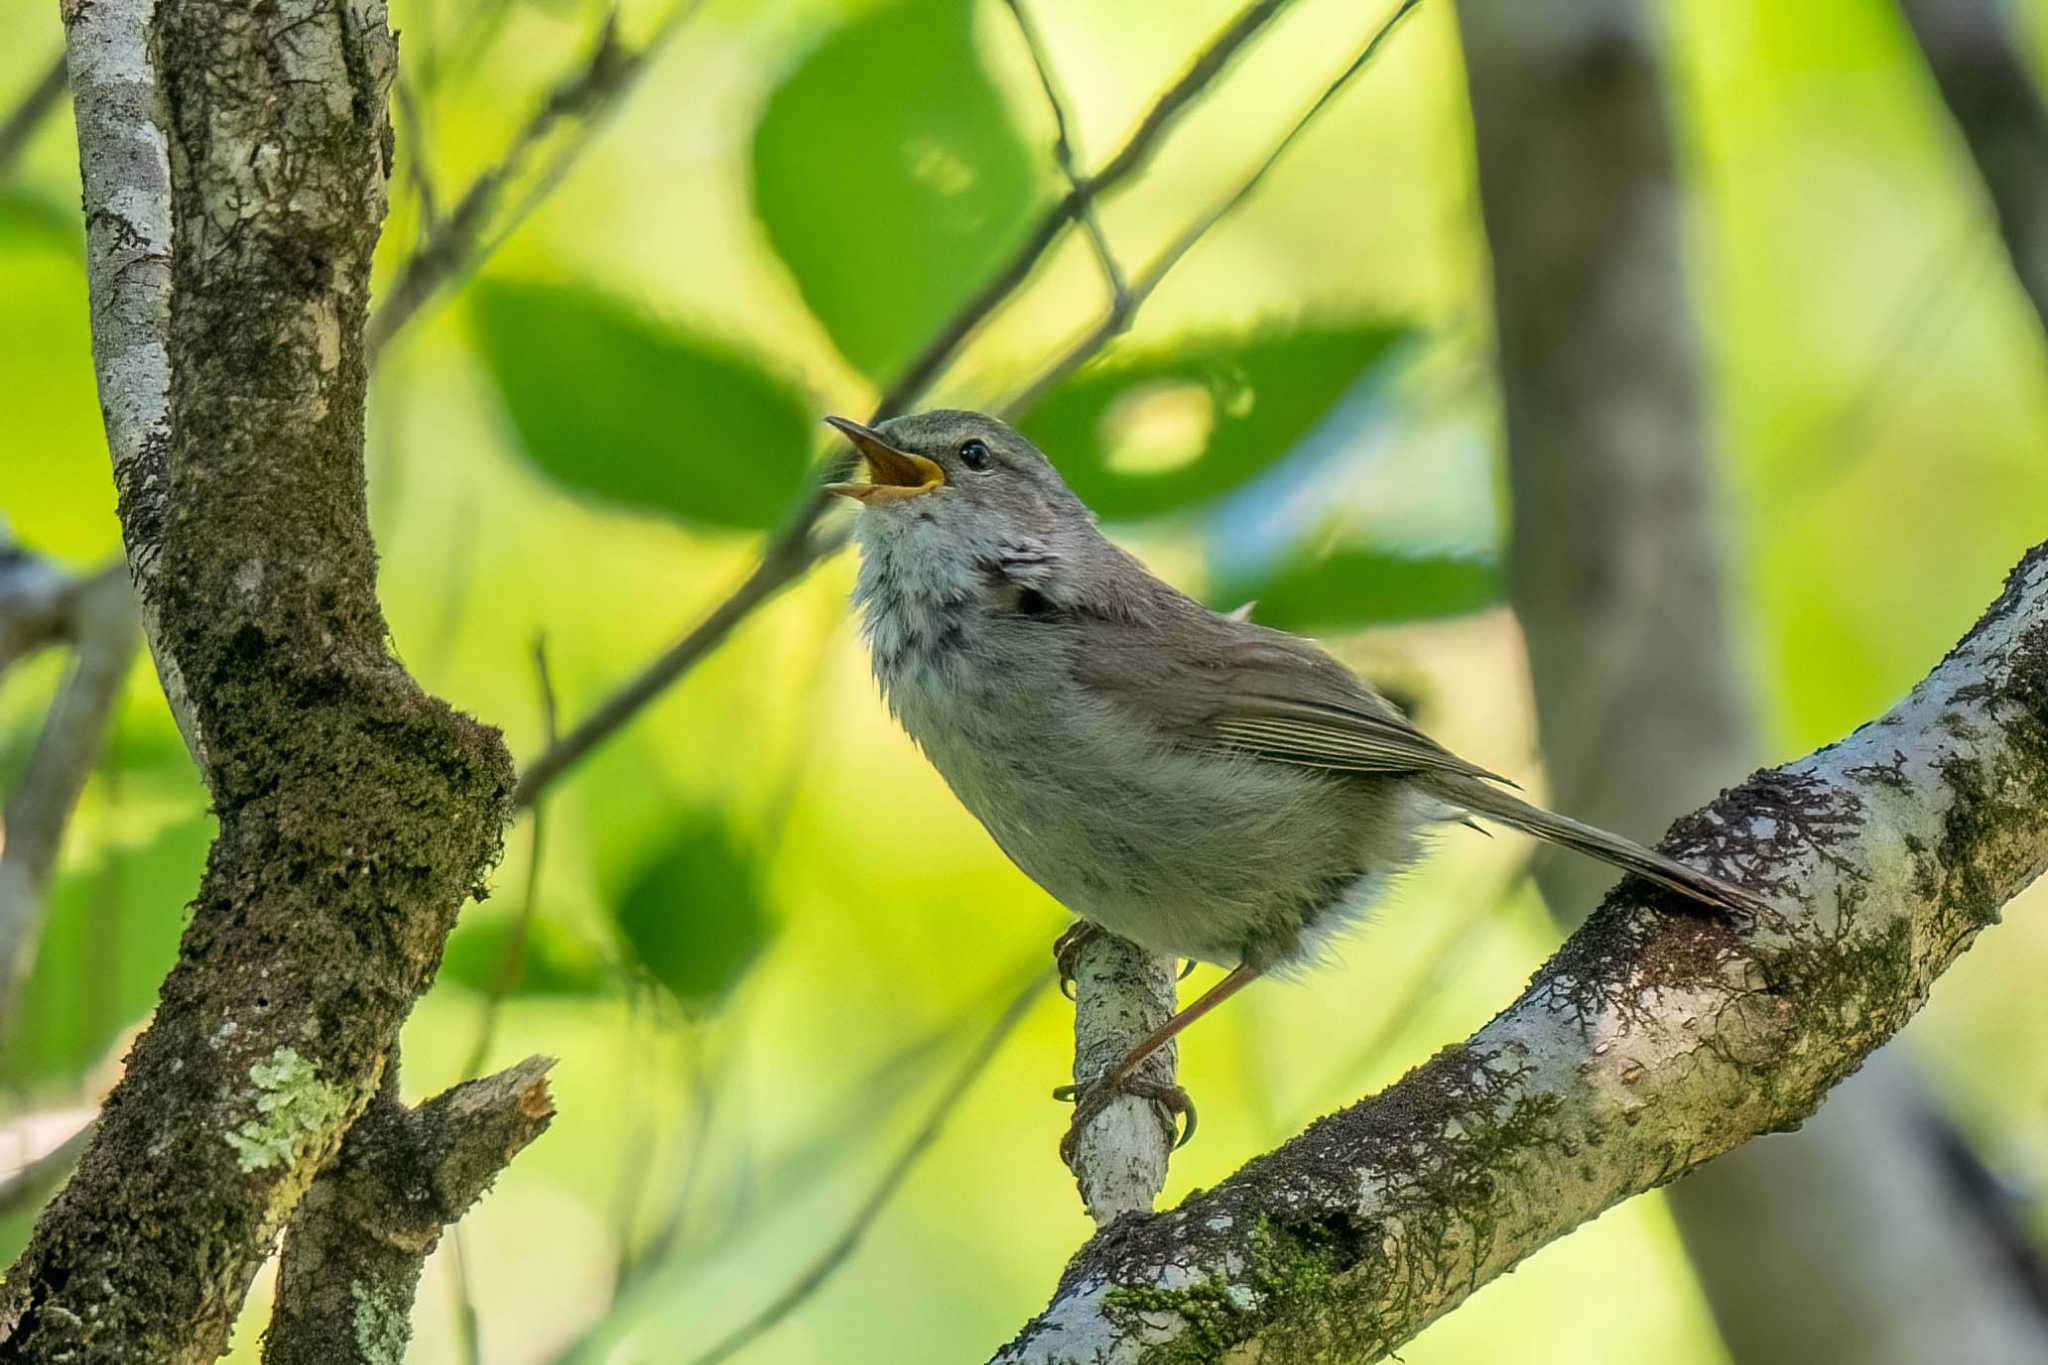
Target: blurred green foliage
(694, 914)
(814, 187)
(1163, 430)
(491, 953)
(1346, 589)
(890, 178)
(616, 406)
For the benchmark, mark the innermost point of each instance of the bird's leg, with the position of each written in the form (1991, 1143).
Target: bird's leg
(1122, 1078)
(1067, 946)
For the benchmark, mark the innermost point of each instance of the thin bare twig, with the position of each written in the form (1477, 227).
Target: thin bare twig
(28, 114)
(785, 561)
(514, 956)
(1125, 309)
(468, 236)
(792, 551)
(102, 621)
(36, 598)
(34, 1181)
(468, 1328)
(1064, 152)
(842, 1246)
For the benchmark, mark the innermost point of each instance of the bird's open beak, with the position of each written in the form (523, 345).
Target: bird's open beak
(892, 473)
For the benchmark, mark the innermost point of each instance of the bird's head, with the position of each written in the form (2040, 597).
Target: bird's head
(953, 484)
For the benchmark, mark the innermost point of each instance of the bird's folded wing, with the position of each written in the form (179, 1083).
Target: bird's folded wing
(1213, 683)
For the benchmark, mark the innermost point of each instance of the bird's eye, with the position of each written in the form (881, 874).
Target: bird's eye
(974, 454)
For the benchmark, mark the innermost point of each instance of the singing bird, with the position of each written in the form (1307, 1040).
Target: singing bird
(1202, 785)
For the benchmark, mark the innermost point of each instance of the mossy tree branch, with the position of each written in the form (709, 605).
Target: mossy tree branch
(1655, 1040)
(1619, 582)
(353, 1254)
(356, 813)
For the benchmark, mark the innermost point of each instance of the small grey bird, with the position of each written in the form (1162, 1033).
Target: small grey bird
(1204, 786)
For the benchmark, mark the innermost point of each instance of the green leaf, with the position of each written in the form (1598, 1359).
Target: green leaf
(617, 407)
(1355, 587)
(694, 913)
(891, 179)
(552, 961)
(1142, 434)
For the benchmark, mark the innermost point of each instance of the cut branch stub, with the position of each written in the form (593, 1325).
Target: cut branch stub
(352, 1256)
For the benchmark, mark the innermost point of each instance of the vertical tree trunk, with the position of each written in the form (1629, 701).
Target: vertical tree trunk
(1618, 579)
(356, 812)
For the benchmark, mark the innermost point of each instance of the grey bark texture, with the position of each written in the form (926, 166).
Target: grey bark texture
(356, 813)
(353, 1253)
(1619, 583)
(1655, 1039)
(1122, 993)
(1990, 92)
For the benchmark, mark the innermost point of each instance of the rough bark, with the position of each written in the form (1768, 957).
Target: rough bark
(124, 164)
(1619, 583)
(1122, 993)
(356, 813)
(1656, 1039)
(1998, 109)
(353, 1254)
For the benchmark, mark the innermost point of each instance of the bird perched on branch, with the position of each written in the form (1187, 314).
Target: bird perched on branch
(1203, 786)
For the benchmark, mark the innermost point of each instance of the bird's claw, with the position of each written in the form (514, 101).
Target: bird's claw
(1066, 947)
(1090, 1100)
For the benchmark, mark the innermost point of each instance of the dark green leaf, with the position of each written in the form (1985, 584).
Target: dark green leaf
(1143, 434)
(613, 405)
(552, 962)
(694, 913)
(890, 178)
(1352, 588)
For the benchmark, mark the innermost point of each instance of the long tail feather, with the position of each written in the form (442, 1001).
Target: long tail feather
(1493, 804)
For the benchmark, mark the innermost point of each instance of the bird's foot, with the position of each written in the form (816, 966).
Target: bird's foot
(1067, 946)
(1090, 1100)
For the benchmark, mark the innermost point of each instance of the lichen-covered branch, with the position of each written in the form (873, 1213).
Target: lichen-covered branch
(1990, 91)
(1121, 993)
(99, 618)
(1618, 581)
(124, 163)
(1656, 1039)
(353, 1253)
(356, 813)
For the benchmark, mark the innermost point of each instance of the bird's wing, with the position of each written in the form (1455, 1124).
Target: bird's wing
(1211, 682)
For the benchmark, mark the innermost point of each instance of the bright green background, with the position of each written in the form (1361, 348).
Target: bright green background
(759, 904)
